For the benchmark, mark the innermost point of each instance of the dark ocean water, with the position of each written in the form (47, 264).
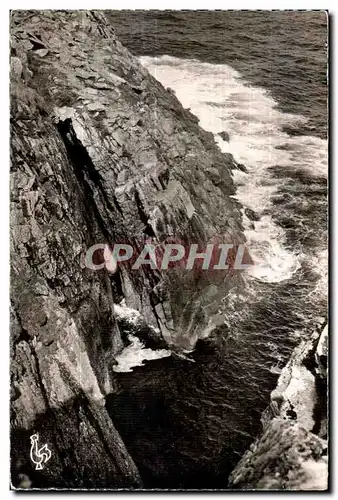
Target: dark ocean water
(261, 76)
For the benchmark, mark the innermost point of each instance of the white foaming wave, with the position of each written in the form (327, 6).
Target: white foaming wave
(134, 355)
(222, 100)
(320, 265)
(273, 263)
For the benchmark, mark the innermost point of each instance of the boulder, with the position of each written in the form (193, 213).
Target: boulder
(224, 135)
(291, 453)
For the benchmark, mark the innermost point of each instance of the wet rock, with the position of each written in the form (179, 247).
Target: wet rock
(288, 222)
(251, 214)
(239, 166)
(171, 91)
(42, 52)
(287, 457)
(16, 68)
(87, 170)
(285, 147)
(225, 136)
(291, 453)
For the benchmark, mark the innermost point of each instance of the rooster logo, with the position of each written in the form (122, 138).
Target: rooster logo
(39, 456)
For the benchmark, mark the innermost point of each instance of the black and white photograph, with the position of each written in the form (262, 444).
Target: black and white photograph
(168, 190)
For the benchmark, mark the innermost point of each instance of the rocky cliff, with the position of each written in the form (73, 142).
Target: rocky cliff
(291, 453)
(100, 153)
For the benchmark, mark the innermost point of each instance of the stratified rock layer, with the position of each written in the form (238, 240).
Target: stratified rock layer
(101, 153)
(291, 454)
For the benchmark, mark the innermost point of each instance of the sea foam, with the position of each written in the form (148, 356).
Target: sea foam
(223, 101)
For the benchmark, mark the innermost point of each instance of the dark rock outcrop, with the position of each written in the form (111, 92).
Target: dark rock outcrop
(241, 167)
(100, 153)
(251, 214)
(291, 453)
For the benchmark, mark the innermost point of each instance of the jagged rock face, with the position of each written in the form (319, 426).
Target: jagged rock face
(291, 454)
(101, 153)
(287, 457)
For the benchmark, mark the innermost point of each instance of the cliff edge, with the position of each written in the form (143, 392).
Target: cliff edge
(100, 153)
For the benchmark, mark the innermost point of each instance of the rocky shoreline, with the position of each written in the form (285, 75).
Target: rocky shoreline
(102, 152)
